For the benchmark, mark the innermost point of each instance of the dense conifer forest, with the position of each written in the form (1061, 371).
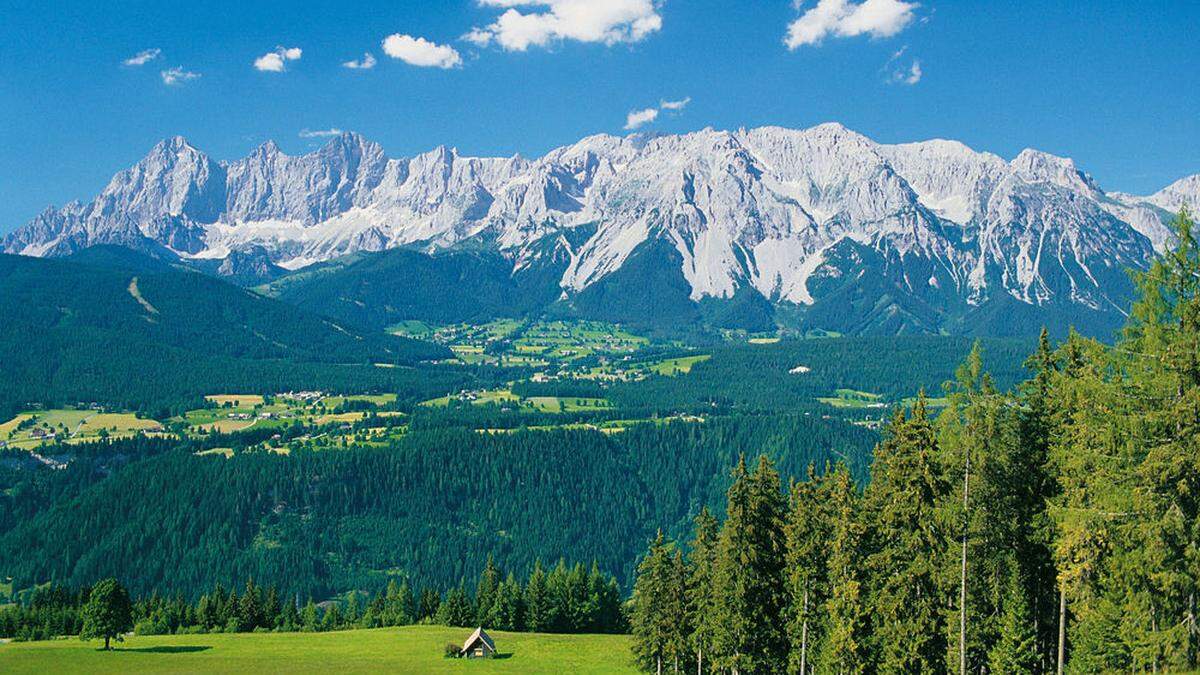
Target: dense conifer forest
(552, 599)
(1056, 525)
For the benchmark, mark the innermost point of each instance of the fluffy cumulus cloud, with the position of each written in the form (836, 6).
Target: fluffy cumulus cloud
(177, 75)
(537, 23)
(367, 62)
(276, 61)
(320, 133)
(143, 57)
(418, 51)
(844, 18)
(640, 118)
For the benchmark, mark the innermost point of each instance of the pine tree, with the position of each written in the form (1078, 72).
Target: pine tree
(701, 585)
(537, 601)
(457, 609)
(978, 435)
(807, 535)
(1036, 487)
(485, 593)
(249, 611)
(1016, 652)
(310, 618)
(1159, 354)
(650, 617)
(270, 609)
(908, 539)
(353, 612)
(749, 574)
(844, 649)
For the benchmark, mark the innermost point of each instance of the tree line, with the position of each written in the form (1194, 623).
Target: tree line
(560, 599)
(1052, 528)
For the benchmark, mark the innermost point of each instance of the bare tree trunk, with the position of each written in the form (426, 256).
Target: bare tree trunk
(658, 660)
(1062, 629)
(700, 661)
(962, 589)
(804, 635)
(1154, 630)
(106, 643)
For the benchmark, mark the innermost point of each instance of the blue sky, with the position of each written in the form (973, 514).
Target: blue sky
(1111, 83)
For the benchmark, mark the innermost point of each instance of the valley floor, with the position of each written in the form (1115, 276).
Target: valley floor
(411, 649)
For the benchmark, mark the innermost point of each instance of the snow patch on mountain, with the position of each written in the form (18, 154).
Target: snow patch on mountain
(762, 208)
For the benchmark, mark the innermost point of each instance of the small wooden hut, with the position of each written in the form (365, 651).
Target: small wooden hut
(478, 646)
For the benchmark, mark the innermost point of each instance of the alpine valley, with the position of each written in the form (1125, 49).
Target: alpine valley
(811, 231)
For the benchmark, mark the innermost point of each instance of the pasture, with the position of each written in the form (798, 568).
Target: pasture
(410, 649)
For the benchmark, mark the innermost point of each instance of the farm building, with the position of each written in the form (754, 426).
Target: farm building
(478, 646)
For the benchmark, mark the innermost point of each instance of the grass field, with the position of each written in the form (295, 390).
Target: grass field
(676, 366)
(412, 649)
(849, 398)
(73, 426)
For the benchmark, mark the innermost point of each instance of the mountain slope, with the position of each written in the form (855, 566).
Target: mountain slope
(133, 332)
(914, 237)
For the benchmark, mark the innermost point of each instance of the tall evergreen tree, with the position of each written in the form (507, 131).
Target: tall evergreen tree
(651, 619)
(701, 586)
(844, 649)
(807, 536)
(537, 601)
(908, 540)
(749, 574)
(1016, 652)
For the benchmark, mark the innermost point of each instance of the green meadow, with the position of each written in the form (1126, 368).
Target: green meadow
(411, 649)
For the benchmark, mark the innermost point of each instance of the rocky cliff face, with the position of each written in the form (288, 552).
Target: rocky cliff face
(796, 215)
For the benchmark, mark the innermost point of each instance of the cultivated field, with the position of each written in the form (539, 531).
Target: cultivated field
(412, 649)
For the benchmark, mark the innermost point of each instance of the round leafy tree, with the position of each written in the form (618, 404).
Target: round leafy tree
(108, 613)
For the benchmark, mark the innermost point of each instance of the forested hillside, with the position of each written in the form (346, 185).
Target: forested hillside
(430, 507)
(132, 331)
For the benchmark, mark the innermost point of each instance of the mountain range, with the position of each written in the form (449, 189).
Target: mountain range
(816, 229)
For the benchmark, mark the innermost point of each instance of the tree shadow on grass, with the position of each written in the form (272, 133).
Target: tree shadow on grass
(169, 649)
(502, 655)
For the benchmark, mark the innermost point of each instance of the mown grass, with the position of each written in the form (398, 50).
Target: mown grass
(411, 649)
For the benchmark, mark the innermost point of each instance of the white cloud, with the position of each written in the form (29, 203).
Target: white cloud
(640, 118)
(143, 57)
(276, 61)
(547, 21)
(844, 18)
(900, 74)
(675, 105)
(177, 75)
(320, 133)
(367, 62)
(418, 51)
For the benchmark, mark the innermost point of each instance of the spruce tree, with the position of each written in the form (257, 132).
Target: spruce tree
(807, 535)
(749, 574)
(701, 586)
(1016, 652)
(650, 616)
(844, 649)
(537, 601)
(908, 539)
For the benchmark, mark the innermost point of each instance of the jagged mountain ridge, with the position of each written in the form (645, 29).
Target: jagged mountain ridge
(936, 231)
